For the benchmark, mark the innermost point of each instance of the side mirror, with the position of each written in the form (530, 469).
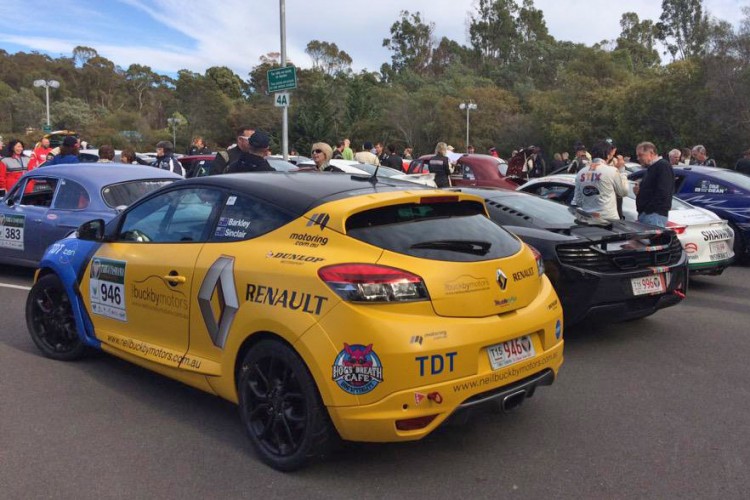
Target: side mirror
(92, 230)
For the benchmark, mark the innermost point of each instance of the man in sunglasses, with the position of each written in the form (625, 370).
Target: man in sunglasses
(252, 158)
(232, 154)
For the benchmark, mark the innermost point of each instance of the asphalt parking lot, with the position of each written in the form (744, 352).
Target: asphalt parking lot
(656, 408)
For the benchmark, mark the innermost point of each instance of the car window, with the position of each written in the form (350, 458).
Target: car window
(502, 167)
(457, 231)
(711, 186)
(182, 215)
(71, 196)
(556, 192)
(124, 194)
(38, 192)
(243, 217)
(467, 173)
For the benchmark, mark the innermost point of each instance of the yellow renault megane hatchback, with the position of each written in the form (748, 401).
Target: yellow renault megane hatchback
(325, 305)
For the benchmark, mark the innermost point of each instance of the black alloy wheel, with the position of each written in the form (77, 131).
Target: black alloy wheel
(280, 407)
(49, 318)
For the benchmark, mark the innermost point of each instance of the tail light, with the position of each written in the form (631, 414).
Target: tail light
(539, 261)
(677, 228)
(372, 283)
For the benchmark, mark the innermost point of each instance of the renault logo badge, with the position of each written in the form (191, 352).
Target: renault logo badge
(502, 280)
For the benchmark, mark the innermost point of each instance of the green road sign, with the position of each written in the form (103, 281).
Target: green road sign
(280, 79)
(47, 129)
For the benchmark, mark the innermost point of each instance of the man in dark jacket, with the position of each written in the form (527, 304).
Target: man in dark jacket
(254, 159)
(232, 154)
(654, 193)
(394, 160)
(165, 159)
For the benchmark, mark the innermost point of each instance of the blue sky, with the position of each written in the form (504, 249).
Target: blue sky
(169, 35)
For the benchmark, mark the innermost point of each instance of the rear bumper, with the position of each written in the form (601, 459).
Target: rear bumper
(710, 268)
(510, 385)
(594, 297)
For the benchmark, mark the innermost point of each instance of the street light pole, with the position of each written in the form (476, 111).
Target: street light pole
(47, 84)
(468, 107)
(285, 109)
(174, 122)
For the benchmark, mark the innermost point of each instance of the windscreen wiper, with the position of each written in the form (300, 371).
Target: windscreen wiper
(463, 246)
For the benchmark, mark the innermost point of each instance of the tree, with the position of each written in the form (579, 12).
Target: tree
(327, 57)
(493, 31)
(82, 54)
(71, 113)
(226, 80)
(141, 79)
(683, 27)
(411, 43)
(638, 40)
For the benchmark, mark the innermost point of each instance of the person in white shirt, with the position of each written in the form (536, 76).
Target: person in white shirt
(597, 187)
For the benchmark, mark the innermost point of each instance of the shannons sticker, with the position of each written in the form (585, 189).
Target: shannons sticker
(357, 369)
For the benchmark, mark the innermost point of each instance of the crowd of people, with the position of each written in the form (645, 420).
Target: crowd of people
(601, 180)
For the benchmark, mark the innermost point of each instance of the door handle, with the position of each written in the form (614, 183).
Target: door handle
(174, 279)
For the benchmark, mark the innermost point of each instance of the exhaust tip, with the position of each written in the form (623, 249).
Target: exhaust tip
(513, 401)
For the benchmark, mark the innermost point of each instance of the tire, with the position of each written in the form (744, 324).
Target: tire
(281, 408)
(49, 318)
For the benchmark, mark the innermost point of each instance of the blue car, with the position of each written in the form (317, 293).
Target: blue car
(724, 192)
(48, 204)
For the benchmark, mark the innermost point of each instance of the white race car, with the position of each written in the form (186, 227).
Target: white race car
(354, 167)
(706, 238)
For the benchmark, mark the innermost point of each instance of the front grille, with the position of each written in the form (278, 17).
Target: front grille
(664, 250)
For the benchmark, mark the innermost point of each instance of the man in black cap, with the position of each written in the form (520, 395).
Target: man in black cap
(252, 160)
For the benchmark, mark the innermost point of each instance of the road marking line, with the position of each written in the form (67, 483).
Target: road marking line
(17, 287)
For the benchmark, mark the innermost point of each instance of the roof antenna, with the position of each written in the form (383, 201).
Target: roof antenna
(374, 178)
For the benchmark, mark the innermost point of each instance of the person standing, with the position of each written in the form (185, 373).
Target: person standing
(381, 154)
(394, 160)
(165, 159)
(68, 152)
(106, 154)
(366, 156)
(198, 147)
(253, 155)
(654, 193)
(338, 153)
(743, 164)
(39, 155)
(440, 166)
(700, 157)
(557, 162)
(127, 156)
(224, 158)
(13, 165)
(598, 185)
(581, 160)
(347, 152)
(321, 155)
(408, 153)
(674, 157)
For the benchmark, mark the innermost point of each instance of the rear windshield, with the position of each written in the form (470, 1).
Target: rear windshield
(124, 194)
(737, 178)
(454, 231)
(529, 206)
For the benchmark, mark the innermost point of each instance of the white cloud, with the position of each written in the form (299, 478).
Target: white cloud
(235, 33)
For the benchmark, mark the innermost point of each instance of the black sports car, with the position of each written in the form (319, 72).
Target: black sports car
(601, 270)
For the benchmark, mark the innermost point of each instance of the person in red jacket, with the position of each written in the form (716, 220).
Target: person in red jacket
(13, 166)
(39, 155)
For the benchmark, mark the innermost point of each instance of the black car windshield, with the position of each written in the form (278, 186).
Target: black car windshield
(451, 231)
(740, 180)
(539, 209)
(124, 194)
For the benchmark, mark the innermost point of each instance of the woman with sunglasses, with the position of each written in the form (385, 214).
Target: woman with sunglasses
(321, 155)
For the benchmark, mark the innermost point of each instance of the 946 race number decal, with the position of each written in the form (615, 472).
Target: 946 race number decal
(11, 231)
(107, 288)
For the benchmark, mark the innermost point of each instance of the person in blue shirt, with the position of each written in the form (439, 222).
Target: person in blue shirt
(68, 152)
